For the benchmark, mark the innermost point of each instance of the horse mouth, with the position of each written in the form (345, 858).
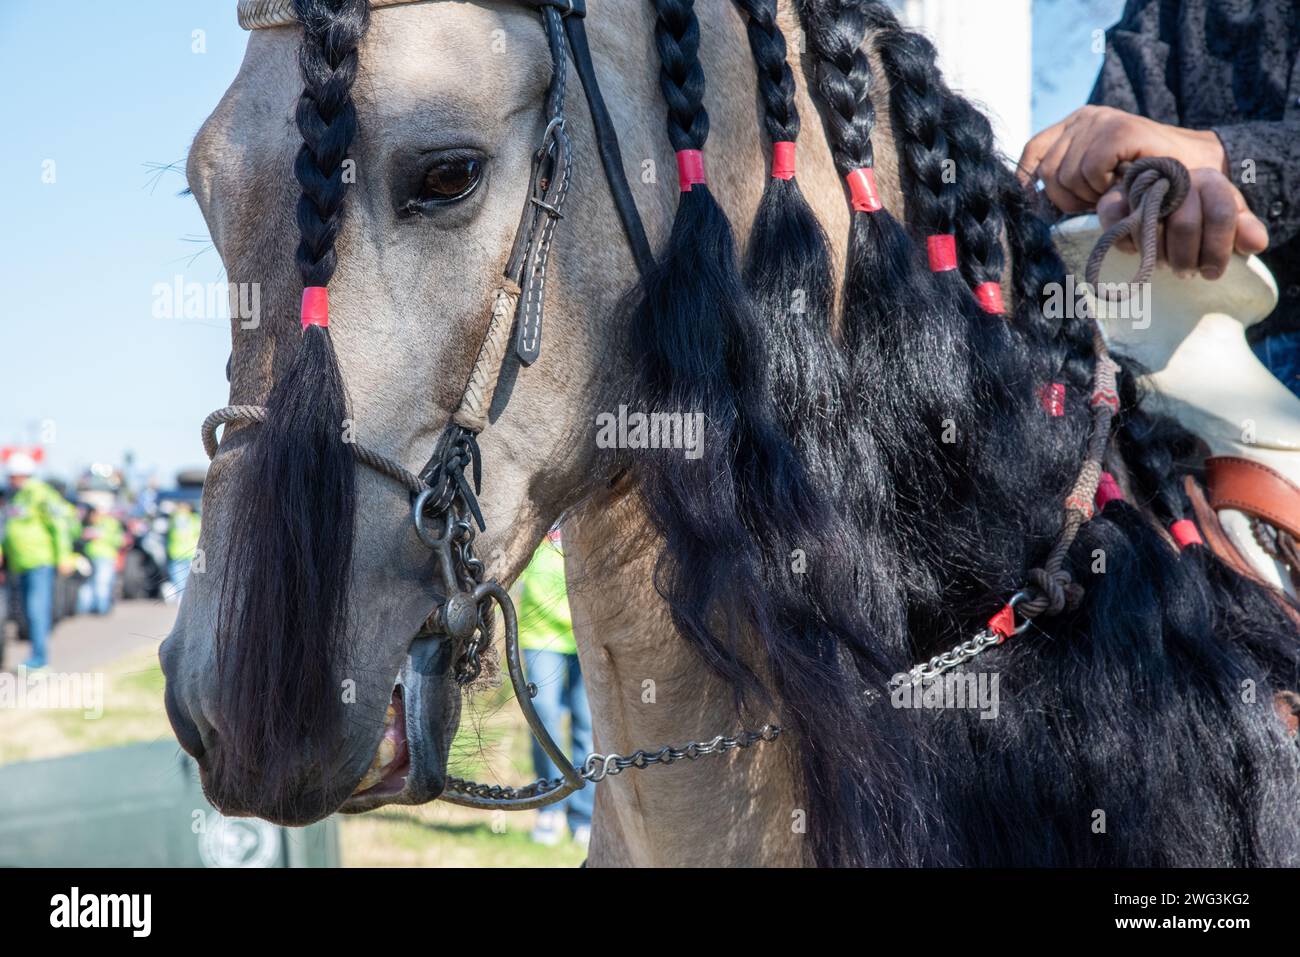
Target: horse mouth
(410, 761)
(391, 764)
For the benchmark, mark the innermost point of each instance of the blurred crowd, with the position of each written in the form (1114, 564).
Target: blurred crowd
(69, 550)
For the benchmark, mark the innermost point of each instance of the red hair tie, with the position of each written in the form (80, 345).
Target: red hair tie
(783, 160)
(989, 295)
(1003, 624)
(943, 252)
(863, 192)
(315, 307)
(1185, 533)
(1052, 399)
(1108, 490)
(690, 169)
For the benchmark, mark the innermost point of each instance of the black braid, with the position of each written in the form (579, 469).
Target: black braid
(948, 150)
(979, 217)
(851, 606)
(284, 598)
(892, 301)
(702, 350)
(776, 83)
(788, 268)
(681, 77)
(916, 98)
(327, 120)
(933, 127)
(731, 520)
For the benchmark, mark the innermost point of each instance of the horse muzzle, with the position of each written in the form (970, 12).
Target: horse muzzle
(409, 765)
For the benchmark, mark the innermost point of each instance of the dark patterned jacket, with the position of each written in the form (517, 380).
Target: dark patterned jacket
(1229, 66)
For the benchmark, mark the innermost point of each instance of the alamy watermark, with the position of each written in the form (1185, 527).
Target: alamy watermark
(53, 691)
(179, 299)
(976, 690)
(1112, 301)
(651, 430)
(133, 912)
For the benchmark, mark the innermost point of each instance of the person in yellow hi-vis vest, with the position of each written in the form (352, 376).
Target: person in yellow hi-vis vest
(551, 656)
(36, 543)
(182, 543)
(102, 538)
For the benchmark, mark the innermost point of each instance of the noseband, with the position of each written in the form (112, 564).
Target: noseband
(445, 509)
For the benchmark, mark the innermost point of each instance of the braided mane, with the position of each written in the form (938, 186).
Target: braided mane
(915, 467)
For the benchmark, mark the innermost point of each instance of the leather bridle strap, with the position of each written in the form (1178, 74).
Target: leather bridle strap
(611, 156)
(1254, 488)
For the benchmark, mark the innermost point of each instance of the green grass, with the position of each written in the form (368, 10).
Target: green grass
(492, 744)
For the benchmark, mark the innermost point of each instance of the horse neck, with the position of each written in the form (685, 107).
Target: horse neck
(648, 689)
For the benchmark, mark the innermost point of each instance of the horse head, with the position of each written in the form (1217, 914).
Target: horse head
(425, 119)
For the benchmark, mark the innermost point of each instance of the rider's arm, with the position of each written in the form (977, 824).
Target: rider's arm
(1264, 161)
(1260, 157)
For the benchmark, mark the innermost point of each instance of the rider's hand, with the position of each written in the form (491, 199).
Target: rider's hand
(67, 566)
(1203, 233)
(1077, 160)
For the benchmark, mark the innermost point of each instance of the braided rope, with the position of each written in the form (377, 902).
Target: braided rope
(261, 14)
(472, 413)
(1052, 588)
(1155, 186)
(256, 414)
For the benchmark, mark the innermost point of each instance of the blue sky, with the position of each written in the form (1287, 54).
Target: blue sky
(110, 91)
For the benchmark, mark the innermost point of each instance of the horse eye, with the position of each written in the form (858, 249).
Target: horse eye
(449, 180)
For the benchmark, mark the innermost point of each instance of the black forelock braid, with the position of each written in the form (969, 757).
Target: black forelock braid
(284, 596)
(327, 120)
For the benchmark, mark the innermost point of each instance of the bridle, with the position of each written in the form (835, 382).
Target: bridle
(445, 509)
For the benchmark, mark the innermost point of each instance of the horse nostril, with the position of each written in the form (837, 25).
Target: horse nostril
(191, 739)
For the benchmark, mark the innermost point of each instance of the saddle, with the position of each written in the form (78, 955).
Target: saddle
(1190, 334)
